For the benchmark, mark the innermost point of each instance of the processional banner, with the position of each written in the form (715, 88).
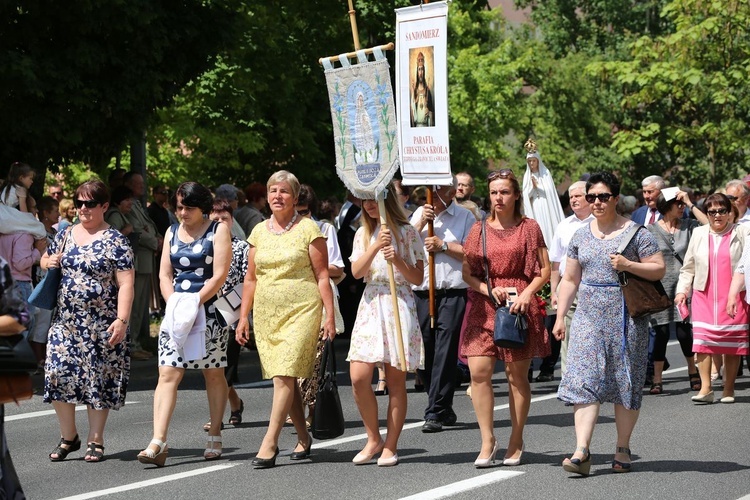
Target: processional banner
(422, 93)
(364, 122)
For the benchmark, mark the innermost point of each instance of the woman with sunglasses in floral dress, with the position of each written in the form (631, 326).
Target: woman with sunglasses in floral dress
(608, 350)
(711, 259)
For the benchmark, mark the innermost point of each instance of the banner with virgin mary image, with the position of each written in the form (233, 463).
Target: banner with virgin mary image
(422, 99)
(364, 122)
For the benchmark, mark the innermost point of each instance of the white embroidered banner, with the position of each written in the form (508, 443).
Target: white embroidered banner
(364, 123)
(422, 99)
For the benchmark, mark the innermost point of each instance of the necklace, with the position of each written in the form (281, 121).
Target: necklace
(286, 229)
(603, 235)
(670, 230)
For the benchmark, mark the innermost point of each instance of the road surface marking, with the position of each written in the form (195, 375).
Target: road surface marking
(463, 486)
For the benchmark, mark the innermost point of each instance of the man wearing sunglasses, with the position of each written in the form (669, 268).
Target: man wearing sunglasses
(739, 193)
(648, 214)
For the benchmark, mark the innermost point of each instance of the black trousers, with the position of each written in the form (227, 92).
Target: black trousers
(10, 487)
(440, 348)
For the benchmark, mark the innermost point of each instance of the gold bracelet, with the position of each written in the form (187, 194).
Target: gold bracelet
(124, 321)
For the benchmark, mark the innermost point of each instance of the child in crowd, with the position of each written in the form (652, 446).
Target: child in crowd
(16, 188)
(374, 336)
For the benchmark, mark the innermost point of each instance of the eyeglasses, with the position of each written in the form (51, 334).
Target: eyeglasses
(715, 213)
(503, 173)
(303, 212)
(603, 197)
(86, 203)
(162, 192)
(55, 193)
(731, 198)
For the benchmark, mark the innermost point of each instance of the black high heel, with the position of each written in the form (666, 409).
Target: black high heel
(61, 452)
(384, 390)
(618, 466)
(266, 463)
(301, 455)
(235, 417)
(695, 381)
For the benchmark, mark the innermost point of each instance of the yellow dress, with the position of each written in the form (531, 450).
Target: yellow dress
(287, 309)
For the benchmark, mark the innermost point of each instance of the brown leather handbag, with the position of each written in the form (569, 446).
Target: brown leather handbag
(17, 361)
(642, 296)
(15, 388)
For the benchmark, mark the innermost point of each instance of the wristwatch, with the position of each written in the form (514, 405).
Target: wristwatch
(444, 247)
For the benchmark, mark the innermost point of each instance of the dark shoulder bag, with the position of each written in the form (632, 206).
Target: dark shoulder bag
(510, 329)
(44, 295)
(642, 296)
(17, 361)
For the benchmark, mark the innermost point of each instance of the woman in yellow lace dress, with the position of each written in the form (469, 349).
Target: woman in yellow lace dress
(287, 287)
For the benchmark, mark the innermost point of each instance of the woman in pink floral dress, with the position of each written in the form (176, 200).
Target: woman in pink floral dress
(374, 333)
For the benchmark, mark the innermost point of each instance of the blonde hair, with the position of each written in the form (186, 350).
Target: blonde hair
(65, 205)
(285, 176)
(394, 217)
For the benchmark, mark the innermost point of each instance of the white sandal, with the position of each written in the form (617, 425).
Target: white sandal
(149, 456)
(212, 453)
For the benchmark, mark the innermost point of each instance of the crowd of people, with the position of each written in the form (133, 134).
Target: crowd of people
(122, 262)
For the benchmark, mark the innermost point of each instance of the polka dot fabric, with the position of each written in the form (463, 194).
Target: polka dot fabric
(192, 264)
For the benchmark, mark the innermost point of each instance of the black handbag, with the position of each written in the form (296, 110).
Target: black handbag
(642, 297)
(17, 361)
(328, 419)
(511, 330)
(44, 295)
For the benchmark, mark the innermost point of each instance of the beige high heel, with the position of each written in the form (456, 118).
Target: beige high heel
(149, 456)
(212, 453)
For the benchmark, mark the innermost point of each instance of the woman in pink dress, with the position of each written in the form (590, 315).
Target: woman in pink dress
(719, 324)
(517, 259)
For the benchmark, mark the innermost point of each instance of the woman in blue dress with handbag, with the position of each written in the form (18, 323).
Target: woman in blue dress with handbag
(608, 349)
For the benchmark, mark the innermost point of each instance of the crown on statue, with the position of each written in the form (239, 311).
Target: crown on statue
(530, 146)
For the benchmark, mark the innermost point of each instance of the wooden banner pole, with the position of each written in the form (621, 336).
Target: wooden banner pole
(431, 264)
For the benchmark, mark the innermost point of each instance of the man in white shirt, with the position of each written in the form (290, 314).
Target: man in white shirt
(451, 224)
(739, 193)
(558, 255)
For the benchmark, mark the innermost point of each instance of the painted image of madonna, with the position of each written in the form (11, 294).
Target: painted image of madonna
(422, 104)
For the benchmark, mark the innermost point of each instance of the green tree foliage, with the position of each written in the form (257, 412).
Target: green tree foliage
(80, 78)
(685, 95)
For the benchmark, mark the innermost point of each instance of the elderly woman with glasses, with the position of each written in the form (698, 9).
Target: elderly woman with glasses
(87, 359)
(720, 318)
(517, 260)
(672, 233)
(608, 350)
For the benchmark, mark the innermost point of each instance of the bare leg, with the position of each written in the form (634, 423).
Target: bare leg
(483, 399)
(361, 376)
(66, 417)
(283, 398)
(396, 409)
(519, 400)
(731, 366)
(625, 421)
(658, 369)
(585, 420)
(297, 413)
(216, 391)
(690, 360)
(704, 370)
(382, 378)
(165, 399)
(97, 421)
(234, 399)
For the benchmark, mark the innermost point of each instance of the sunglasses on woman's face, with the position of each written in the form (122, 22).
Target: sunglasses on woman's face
(603, 197)
(714, 213)
(304, 212)
(86, 203)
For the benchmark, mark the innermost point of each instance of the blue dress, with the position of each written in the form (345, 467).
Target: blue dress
(192, 265)
(608, 350)
(81, 366)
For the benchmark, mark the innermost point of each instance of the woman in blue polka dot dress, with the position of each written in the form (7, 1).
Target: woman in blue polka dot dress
(195, 259)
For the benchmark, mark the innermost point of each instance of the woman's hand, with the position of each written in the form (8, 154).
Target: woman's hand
(679, 299)
(500, 294)
(118, 330)
(559, 329)
(53, 260)
(242, 334)
(384, 238)
(329, 328)
(731, 304)
(389, 253)
(521, 305)
(619, 263)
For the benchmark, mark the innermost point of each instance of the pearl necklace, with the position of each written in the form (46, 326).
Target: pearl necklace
(286, 229)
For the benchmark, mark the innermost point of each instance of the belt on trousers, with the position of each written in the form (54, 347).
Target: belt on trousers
(441, 292)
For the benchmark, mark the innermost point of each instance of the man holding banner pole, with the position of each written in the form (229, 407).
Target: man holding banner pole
(451, 224)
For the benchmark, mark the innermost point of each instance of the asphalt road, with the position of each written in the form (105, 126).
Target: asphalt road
(679, 450)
